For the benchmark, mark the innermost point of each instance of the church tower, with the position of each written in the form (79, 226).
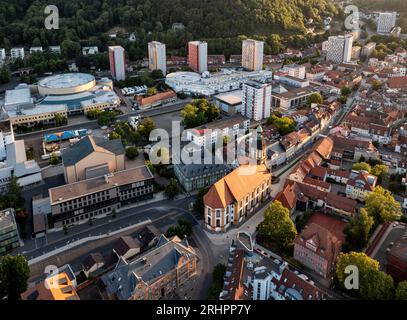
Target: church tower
(261, 147)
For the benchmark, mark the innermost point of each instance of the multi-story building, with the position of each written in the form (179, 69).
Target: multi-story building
(154, 275)
(256, 102)
(92, 157)
(295, 70)
(157, 57)
(210, 133)
(197, 176)
(88, 51)
(198, 56)
(368, 49)
(386, 22)
(117, 61)
(17, 53)
(78, 202)
(55, 49)
(36, 50)
(252, 54)
(319, 243)
(2, 54)
(235, 196)
(9, 237)
(360, 184)
(287, 99)
(340, 48)
(6, 137)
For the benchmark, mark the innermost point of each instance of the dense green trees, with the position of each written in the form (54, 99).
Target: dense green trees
(373, 284)
(315, 98)
(5, 76)
(284, 125)
(172, 189)
(401, 292)
(182, 229)
(217, 281)
(131, 153)
(277, 226)
(14, 274)
(199, 203)
(199, 112)
(381, 205)
(357, 231)
(218, 21)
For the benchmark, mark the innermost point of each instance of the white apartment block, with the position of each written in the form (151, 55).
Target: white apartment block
(295, 70)
(2, 54)
(252, 54)
(117, 62)
(35, 49)
(87, 51)
(157, 57)
(386, 22)
(16, 53)
(256, 102)
(55, 49)
(340, 48)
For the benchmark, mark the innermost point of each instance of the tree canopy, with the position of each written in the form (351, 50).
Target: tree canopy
(401, 292)
(357, 230)
(277, 226)
(381, 205)
(14, 274)
(199, 112)
(284, 125)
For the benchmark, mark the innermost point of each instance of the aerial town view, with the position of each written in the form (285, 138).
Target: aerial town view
(212, 150)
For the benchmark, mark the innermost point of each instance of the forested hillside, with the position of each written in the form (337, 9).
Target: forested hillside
(88, 21)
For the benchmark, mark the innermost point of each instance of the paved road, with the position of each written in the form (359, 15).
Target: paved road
(37, 247)
(92, 124)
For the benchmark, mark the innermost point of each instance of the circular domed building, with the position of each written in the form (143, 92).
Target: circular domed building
(67, 83)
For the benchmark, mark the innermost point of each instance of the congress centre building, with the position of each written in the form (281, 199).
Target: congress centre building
(62, 94)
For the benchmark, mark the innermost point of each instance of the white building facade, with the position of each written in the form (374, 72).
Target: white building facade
(252, 54)
(157, 57)
(256, 102)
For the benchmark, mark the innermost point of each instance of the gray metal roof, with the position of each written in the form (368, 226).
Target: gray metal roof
(87, 145)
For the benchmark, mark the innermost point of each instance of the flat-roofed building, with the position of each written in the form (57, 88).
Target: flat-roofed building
(256, 102)
(93, 198)
(117, 59)
(289, 99)
(9, 236)
(198, 56)
(36, 50)
(209, 133)
(235, 196)
(230, 102)
(17, 53)
(252, 54)
(92, 157)
(2, 54)
(368, 49)
(340, 48)
(386, 22)
(157, 59)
